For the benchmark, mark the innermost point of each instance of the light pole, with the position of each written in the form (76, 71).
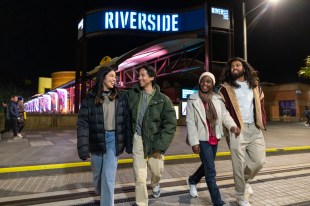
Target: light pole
(244, 15)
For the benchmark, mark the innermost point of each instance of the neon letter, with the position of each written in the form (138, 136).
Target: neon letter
(109, 20)
(174, 22)
(151, 26)
(133, 20)
(142, 21)
(124, 19)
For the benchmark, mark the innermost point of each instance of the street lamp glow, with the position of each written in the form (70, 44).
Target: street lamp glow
(274, 1)
(244, 15)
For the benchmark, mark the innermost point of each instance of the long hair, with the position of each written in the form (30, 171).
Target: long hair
(98, 87)
(250, 74)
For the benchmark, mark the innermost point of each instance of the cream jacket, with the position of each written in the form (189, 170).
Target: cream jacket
(196, 119)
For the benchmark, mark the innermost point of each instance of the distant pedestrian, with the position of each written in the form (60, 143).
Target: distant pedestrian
(6, 118)
(244, 99)
(205, 116)
(103, 132)
(14, 116)
(22, 116)
(307, 115)
(153, 126)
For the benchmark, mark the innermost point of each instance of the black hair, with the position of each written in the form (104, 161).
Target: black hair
(98, 87)
(150, 70)
(250, 74)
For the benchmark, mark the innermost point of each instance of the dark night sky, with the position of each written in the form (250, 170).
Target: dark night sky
(39, 37)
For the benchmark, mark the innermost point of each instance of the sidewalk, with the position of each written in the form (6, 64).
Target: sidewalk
(284, 180)
(40, 147)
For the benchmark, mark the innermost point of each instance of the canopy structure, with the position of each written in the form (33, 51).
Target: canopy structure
(161, 53)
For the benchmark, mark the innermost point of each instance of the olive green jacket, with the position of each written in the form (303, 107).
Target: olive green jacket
(159, 120)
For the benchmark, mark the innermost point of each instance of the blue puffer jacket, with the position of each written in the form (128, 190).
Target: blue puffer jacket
(90, 127)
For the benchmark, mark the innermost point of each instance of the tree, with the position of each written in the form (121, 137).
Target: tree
(305, 71)
(6, 90)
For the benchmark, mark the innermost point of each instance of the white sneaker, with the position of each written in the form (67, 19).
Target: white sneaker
(156, 191)
(19, 135)
(248, 189)
(307, 125)
(17, 138)
(243, 203)
(192, 189)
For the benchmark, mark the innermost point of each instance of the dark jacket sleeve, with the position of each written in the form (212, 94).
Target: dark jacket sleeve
(127, 121)
(83, 131)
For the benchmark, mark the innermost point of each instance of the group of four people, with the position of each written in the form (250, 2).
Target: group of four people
(143, 121)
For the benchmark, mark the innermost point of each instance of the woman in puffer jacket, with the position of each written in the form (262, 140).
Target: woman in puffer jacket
(103, 132)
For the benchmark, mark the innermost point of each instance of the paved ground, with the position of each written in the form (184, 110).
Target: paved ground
(284, 180)
(59, 145)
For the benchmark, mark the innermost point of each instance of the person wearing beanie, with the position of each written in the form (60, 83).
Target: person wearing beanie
(205, 116)
(244, 99)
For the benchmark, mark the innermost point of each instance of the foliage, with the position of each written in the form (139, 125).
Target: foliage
(305, 71)
(7, 90)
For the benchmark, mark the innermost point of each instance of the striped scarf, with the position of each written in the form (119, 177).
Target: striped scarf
(210, 109)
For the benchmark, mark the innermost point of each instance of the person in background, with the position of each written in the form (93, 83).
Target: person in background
(14, 116)
(7, 127)
(244, 99)
(307, 115)
(103, 132)
(205, 116)
(153, 126)
(22, 116)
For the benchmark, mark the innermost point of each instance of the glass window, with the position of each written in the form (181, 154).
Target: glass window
(287, 108)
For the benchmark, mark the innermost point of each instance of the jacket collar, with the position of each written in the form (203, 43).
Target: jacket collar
(137, 88)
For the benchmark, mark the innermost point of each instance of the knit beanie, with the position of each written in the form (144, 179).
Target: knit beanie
(209, 74)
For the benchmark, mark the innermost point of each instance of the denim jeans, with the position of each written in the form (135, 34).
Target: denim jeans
(104, 171)
(207, 169)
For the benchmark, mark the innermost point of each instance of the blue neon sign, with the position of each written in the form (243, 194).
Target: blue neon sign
(112, 19)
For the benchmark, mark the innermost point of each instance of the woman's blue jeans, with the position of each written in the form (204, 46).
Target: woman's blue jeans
(104, 171)
(207, 169)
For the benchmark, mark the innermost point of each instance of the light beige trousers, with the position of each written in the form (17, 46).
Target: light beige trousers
(248, 156)
(140, 165)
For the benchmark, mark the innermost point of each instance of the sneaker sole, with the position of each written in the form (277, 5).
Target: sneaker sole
(156, 196)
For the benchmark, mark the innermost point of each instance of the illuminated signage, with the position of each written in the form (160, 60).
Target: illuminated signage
(112, 20)
(220, 18)
(141, 21)
(223, 12)
(183, 107)
(187, 92)
(80, 28)
(81, 24)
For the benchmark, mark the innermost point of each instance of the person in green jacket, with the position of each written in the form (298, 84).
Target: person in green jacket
(153, 126)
